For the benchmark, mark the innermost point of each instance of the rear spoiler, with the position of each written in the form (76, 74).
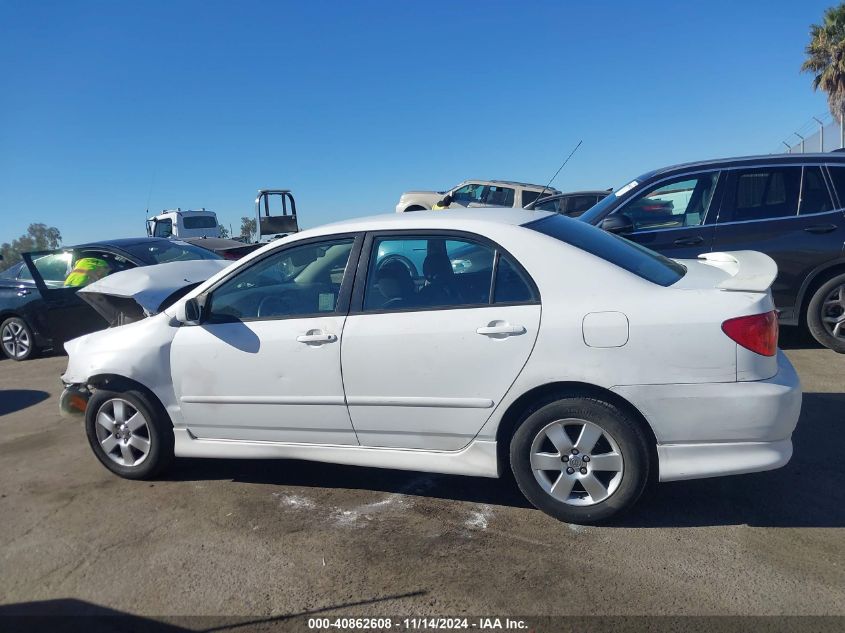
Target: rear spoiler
(750, 271)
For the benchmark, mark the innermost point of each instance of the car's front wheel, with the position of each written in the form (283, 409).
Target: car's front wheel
(580, 460)
(17, 338)
(826, 314)
(129, 433)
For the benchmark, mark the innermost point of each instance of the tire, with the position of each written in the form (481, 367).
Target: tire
(17, 339)
(826, 314)
(550, 434)
(124, 454)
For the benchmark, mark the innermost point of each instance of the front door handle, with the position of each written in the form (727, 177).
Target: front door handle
(313, 337)
(821, 228)
(500, 329)
(23, 292)
(689, 241)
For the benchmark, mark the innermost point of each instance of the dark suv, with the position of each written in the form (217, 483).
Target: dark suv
(791, 207)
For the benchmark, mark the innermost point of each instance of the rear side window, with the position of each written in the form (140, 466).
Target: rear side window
(628, 255)
(530, 196)
(761, 194)
(837, 177)
(578, 204)
(815, 197)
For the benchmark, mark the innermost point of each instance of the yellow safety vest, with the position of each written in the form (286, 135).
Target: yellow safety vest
(86, 271)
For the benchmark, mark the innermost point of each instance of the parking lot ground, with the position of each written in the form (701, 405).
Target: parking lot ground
(268, 538)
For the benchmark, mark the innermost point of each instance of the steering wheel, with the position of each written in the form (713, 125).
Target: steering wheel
(273, 305)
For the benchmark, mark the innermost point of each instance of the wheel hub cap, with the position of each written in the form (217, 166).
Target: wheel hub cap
(576, 462)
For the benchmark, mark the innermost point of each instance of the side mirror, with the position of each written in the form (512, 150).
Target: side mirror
(619, 224)
(190, 312)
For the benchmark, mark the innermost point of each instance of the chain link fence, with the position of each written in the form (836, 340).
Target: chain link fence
(820, 134)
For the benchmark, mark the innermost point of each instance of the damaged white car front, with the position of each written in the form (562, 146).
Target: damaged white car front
(129, 300)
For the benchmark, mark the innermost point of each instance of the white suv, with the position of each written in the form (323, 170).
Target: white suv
(476, 193)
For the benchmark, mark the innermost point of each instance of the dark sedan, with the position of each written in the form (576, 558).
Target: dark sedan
(791, 207)
(39, 307)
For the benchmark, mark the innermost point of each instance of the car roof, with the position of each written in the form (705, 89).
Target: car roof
(455, 219)
(743, 161)
(513, 183)
(121, 242)
(585, 192)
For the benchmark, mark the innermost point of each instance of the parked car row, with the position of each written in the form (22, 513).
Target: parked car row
(791, 207)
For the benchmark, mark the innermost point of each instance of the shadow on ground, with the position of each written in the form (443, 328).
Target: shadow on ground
(12, 400)
(66, 615)
(808, 492)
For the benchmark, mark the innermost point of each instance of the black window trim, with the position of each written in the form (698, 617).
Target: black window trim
(359, 286)
(343, 297)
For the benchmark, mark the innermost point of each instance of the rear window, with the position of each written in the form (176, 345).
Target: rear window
(633, 257)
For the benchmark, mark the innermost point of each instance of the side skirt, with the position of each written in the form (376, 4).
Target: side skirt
(478, 459)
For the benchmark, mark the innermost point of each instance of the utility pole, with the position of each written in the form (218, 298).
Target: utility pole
(788, 147)
(802, 141)
(821, 134)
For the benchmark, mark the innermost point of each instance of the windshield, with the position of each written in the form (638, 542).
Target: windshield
(199, 222)
(161, 252)
(597, 211)
(628, 255)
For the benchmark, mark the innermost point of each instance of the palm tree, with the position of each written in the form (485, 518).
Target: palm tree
(826, 58)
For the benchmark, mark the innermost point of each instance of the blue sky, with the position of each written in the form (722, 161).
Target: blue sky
(106, 105)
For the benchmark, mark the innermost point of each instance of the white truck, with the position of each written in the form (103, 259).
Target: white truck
(180, 224)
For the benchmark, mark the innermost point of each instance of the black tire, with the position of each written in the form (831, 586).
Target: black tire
(625, 487)
(21, 334)
(158, 431)
(817, 311)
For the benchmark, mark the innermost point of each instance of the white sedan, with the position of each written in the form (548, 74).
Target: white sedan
(464, 342)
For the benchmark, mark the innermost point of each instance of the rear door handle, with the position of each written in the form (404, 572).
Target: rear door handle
(689, 241)
(503, 329)
(316, 337)
(821, 228)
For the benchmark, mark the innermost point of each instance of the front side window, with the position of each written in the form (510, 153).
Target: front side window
(419, 273)
(761, 194)
(296, 281)
(677, 203)
(163, 228)
(837, 178)
(86, 267)
(815, 197)
(554, 205)
(468, 193)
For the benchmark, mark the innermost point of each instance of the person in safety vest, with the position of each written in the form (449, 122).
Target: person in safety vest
(87, 270)
(443, 204)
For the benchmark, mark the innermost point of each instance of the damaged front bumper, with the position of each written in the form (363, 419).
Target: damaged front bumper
(74, 400)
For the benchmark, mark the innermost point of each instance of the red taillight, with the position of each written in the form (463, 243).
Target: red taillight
(757, 332)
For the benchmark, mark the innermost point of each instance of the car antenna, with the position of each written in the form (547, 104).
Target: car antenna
(559, 168)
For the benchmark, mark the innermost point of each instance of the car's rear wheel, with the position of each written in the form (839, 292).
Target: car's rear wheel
(580, 460)
(129, 433)
(826, 314)
(17, 339)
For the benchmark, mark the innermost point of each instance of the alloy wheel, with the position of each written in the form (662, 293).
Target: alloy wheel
(833, 312)
(123, 432)
(576, 462)
(16, 341)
